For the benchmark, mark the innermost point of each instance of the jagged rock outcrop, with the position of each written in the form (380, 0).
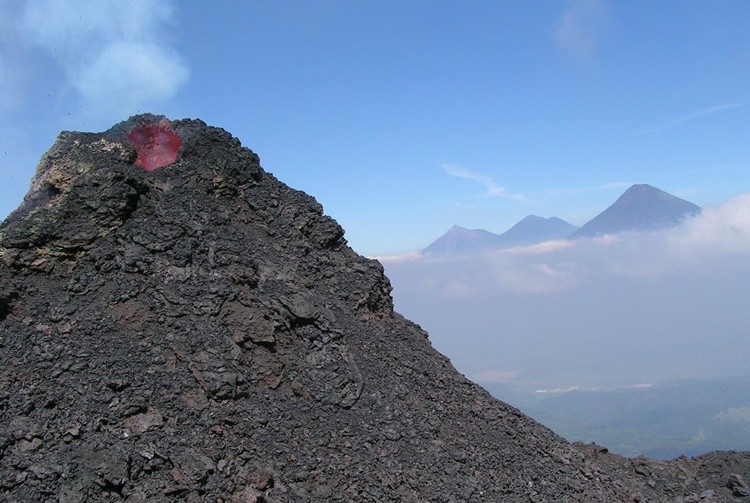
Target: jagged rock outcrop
(202, 332)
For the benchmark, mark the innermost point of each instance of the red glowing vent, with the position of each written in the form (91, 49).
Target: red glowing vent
(156, 145)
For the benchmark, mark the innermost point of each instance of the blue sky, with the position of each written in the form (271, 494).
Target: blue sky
(404, 118)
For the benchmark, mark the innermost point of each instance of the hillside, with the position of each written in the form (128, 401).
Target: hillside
(178, 325)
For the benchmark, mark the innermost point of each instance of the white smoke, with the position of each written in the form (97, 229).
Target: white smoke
(114, 55)
(82, 65)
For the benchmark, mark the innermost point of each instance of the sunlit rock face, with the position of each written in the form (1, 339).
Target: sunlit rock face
(204, 333)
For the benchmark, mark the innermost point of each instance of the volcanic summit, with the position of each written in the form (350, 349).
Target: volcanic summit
(178, 325)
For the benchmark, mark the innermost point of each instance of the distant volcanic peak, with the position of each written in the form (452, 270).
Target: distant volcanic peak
(156, 145)
(537, 220)
(457, 229)
(640, 208)
(534, 229)
(532, 218)
(643, 191)
(642, 195)
(460, 240)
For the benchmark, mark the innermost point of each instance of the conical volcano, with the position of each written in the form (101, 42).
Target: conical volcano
(178, 325)
(640, 208)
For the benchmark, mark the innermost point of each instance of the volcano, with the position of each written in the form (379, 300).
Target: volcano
(528, 231)
(640, 208)
(178, 325)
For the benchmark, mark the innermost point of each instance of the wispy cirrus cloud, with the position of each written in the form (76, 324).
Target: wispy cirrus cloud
(697, 114)
(581, 27)
(492, 187)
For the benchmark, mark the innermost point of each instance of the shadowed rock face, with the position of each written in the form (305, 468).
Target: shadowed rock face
(202, 332)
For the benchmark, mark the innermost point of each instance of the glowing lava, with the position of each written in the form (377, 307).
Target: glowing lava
(155, 144)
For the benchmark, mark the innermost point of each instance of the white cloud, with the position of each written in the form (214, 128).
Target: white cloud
(496, 376)
(458, 288)
(114, 54)
(492, 188)
(699, 113)
(545, 247)
(404, 257)
(66, 27)
(611, 310)
(581, 27)
(558, 391)
(717, 237)
(718, 231)
(532, 276)
(132, 73)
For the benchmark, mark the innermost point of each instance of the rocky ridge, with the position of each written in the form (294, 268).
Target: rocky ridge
(202, 332)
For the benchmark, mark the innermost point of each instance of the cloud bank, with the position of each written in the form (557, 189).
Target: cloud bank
(607, 311)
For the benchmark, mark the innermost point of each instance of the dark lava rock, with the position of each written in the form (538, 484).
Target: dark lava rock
(202, 332)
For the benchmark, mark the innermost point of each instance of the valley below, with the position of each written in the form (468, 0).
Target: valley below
(632, 334)
(682, 418)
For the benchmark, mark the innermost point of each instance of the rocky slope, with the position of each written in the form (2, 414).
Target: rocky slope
(202, 332)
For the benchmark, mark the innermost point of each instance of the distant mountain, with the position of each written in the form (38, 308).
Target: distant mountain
(641, 208)
(530, 230)
(533, 229)
(460, 240)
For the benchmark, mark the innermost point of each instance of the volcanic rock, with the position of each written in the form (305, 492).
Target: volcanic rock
(202, 332)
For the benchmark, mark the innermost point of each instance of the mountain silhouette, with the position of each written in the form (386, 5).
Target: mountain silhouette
(640, 208)
(178, 325)
(529, 230)
(460, 240)
(533, 229)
